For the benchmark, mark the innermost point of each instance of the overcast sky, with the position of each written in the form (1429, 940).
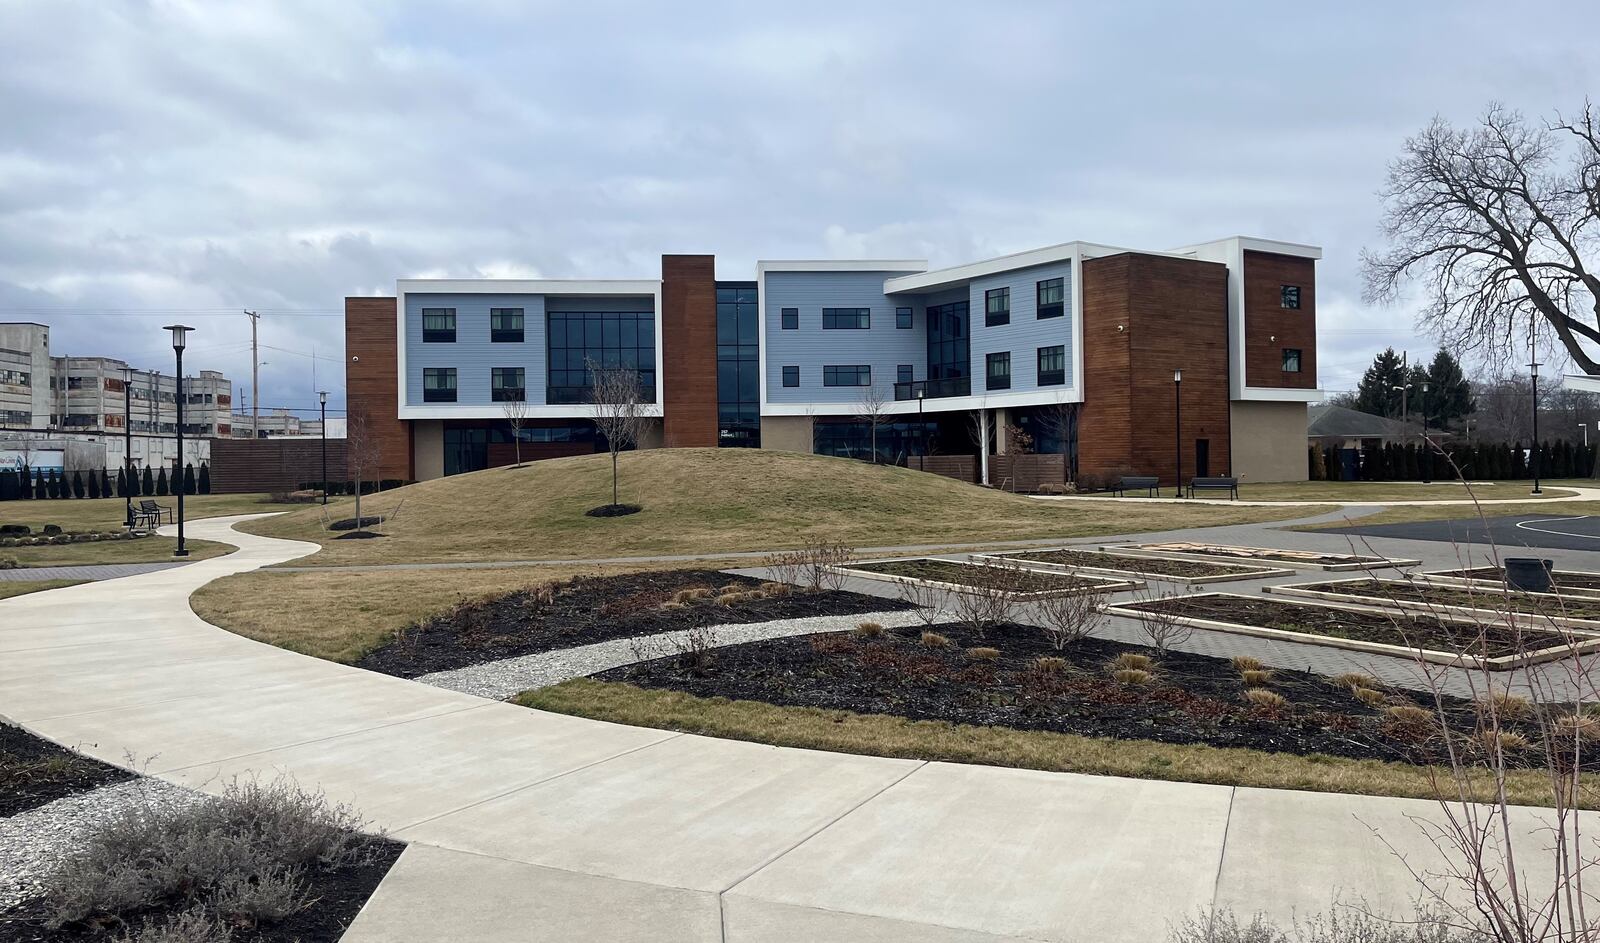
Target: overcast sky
(165, 159)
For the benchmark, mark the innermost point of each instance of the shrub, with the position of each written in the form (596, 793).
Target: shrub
(1411, 715)
(1582, 726)
(1070, 617)
(1369, 697)
(1257, 678)
(1050, 665)
(1243, 663)
(734, 599)
(10, 563)
(1341, 925)
(692, 594)
(190, 926)
(673, 604)
(1354, 679)
(983, 653)
(1502, 741)
(776, 589)
(935, 640)
(1133, 676)
(989, 595)
(1505, 706)
(1131, 660)
(1160, 621)
(868, 630)
(51, 530)
(15, 530)
(1267, 700)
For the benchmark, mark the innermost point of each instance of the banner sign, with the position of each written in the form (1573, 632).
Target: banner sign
(36, 460)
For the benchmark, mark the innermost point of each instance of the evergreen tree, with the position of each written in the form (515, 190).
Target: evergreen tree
(1450, 396)
(122, 482)
(147, 484)
(205, 477)
(27, 482)
(41, 486)
(105, 484)
(10, 490)
(1376, 394)
(94, 484)
(77, 484)
(161, 482)
(188, 479)
(1314, 469)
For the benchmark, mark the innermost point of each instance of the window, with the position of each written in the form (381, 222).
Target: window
(506, 386)
(997, 306)
(438, 384)
(998, 375)
(738, 366)
(14, 377)
(791, 376)
(1291, 360)
(903, 373)
(1052, 293)
(1052, 365)
(846, 319)
(505, 325)
(853, 375)
(439, 325)
(902, 319)
(1289, 296)
(791, 319)
(612, 339)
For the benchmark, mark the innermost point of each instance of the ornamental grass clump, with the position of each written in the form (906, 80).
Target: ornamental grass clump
(1369, 697)
(1243, 663)
(935, 640)
(1131, 661)
(1355, 679)
(982, 653)
(1050, 665)
(1505, 706)
(868, 630)
(1265, 699)
(1133, 677)
(1256, 678)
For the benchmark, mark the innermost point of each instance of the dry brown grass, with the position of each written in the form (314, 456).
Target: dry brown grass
(1261, 697)
(1131, 661)
(143, 550)
(10, 588)
(935, 640)
(1256, 678)
(711, 501)
(109, 513)
(868, 630)
(341, 615)
(1352, 679)
(1050, 665)
(1369, 697)
(1243, 663)
(983, 653)
(880, 735)
(1136, 677)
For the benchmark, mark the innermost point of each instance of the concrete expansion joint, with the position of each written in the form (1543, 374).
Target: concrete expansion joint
(1222, 853)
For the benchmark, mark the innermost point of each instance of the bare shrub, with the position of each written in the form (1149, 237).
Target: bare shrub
(190, 926)
(813, 567)
(1070, 617)
(988, 597)
(926, 601)
(695, 649)
(1160, 622)
(1341, 925)
(784, 567)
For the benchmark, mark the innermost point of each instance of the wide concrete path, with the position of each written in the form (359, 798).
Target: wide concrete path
(532, 826)
(87, 571)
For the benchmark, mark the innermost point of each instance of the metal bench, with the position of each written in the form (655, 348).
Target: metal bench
(149, 513)
(1230, 485)
(1150, 484)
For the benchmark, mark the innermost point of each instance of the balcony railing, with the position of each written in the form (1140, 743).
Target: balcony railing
(933, 389)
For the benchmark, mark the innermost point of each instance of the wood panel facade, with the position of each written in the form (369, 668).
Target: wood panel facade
(1270, 328)
(372, 382)
(1144, 317)
(240, 466)
(689, 351)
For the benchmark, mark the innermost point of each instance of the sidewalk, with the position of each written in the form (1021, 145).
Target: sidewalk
(527, 825)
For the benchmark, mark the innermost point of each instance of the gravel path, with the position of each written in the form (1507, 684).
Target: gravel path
(502, 679)
(32, 843)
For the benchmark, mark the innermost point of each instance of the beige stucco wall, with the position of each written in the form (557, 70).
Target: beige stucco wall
(427, 436)
(1269, 441)
(789, 433)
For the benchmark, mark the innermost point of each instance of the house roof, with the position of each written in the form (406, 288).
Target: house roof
(1344, 423)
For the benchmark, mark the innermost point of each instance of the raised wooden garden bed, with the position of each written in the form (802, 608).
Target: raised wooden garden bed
(960, 575)
(1482, 603)
(1168, 569)
(1300, 559)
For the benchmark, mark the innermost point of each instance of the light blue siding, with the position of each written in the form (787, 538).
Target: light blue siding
(882, 346)
(1026, 333)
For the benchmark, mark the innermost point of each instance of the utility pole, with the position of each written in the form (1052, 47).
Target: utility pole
(255, 376)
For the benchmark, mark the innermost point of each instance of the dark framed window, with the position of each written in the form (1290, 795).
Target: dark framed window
(1291, 360)
(506, 385)
(846, 319)
(791, 319)
(851, 375)
(1051, 297)
(791, 376)
(902, 319)
(1053, 365)
(738, 365)
(438, 384)
(610, 339)
(439, 325)
(505, 325)
(1289, 296)
(997, 306)
(997, 373)
(903, 373)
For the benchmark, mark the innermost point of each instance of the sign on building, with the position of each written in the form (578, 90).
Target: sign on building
(36, 460)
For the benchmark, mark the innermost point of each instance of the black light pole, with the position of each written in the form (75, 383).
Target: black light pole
(1427, 450)
(322, 396)
(1533, 364)
(1177, 431)
(922, 460)
(180, 339)
(127, 442)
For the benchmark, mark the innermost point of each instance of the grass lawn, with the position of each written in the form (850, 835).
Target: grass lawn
(1378, 491)
(342, 615)
(1460, 512)
(108, 513)
(712, 501)
(143, 550)
(880, 735)
(9, 588)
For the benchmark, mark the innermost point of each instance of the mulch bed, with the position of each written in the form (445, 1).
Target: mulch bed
(1561, 579)
(1195, 699)
(1436, 594)
(1148, 566)
(34, 771)
(339, 896)
(971, 574)
(594, 609)
(1408, 630)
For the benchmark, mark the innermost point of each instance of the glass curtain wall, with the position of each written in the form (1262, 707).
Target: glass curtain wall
(738, 366)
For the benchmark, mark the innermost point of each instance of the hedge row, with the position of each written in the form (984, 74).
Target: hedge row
(24, 484)
(1413, 462)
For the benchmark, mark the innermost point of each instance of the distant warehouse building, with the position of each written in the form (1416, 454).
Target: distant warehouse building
(1073, 349)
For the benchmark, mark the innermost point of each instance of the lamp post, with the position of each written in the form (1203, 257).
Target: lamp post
(322, 398)
(922, 430)
(127, 442)
(180, 339)
(1427, 451)
(1177, 431)
(1533, 364)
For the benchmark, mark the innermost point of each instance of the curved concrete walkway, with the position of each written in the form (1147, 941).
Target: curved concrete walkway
(526, 825)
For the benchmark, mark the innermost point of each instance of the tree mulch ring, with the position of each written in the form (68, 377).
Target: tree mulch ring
(613, 510)
(359, 535)
(1192, 699)
(34, 771)
(350, 523)
(338, 897)
(592, 609)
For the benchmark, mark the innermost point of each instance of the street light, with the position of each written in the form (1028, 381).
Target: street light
(922, 427)
(1177, 431)
(1533, 364)
(322, 397)
(180, 339)
(1427, 451)
(127, 441)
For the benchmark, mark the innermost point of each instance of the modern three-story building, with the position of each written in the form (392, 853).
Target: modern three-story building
(1198, 360)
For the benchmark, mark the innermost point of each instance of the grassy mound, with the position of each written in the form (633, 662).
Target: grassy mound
(710, 501)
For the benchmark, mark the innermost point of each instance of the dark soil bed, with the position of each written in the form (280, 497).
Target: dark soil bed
(597, 609)
(1561, 579)
(1192, 699)
(613, 510)
(359, 535)
(339, 896)
(34, 771)
(1148, 566)
(1409, 630)
(351, 523)
(1249, 555)
(1487, 597)
(970, 574)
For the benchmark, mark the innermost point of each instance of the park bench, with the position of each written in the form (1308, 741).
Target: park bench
(1230, 485)
(149, 514)
(1149, 483)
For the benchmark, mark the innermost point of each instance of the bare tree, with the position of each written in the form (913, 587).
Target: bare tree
(871, 409)
(1499, 222)
(615, 396)
(989, 595)
(361, 453)
(1160, 620)
(516, 413)
(1070, 617)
